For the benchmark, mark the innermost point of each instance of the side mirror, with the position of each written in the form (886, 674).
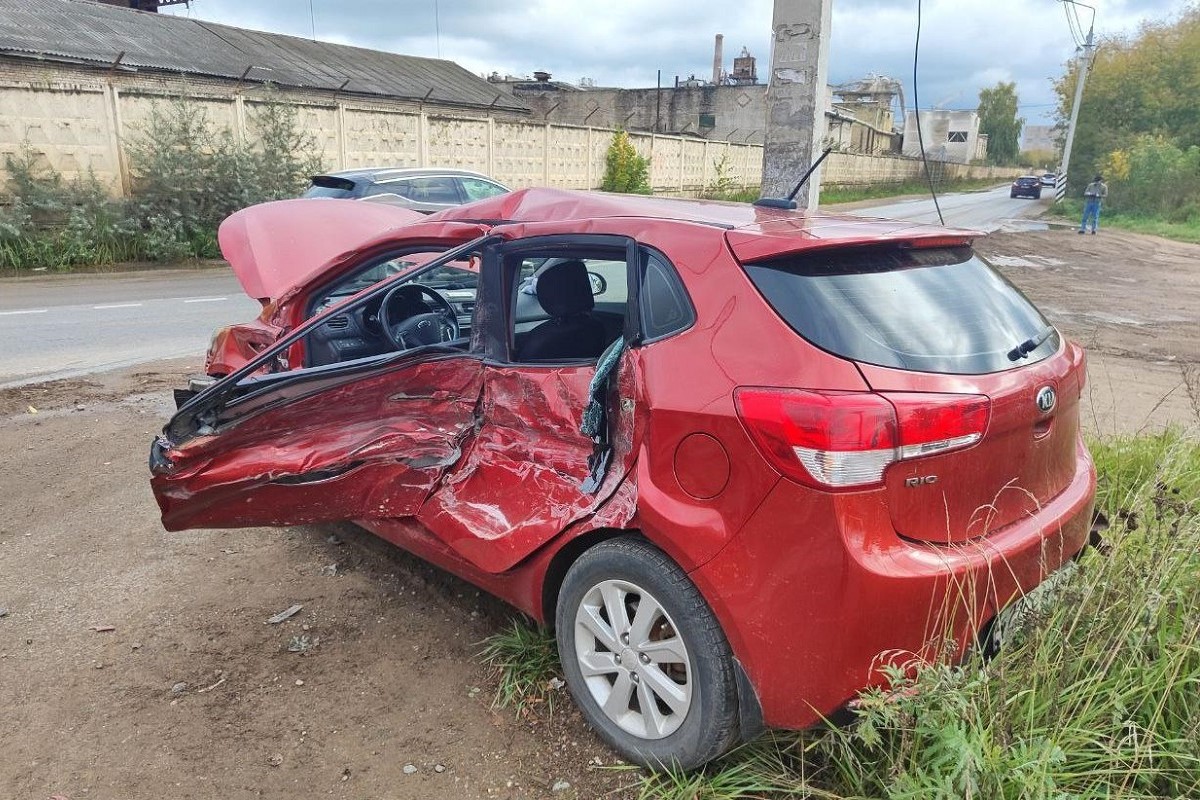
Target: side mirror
(599, 285)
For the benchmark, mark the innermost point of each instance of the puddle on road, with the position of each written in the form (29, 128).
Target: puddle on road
(1027, 261)
(1019, 225)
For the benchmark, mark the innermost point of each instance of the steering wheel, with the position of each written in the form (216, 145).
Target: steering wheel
(440, 325)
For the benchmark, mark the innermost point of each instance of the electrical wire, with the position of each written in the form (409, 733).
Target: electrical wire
(437, 28)
(917, 104)
(1071, 23)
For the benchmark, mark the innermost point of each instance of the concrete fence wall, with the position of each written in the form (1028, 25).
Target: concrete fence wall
(80, 119)
(87, 123)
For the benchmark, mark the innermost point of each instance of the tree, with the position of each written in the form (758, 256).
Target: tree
(1144, 84)
(998, 119)
(625, 170)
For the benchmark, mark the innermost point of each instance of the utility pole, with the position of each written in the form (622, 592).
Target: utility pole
(796, 97)
(1081, 73)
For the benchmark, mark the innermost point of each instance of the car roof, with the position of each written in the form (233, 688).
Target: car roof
(752, 231)
(377, 174)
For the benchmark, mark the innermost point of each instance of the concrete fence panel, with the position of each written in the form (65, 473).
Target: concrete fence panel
(376, 138)
(74, 130)
(518, 149)
(458, 143)
(569, 165)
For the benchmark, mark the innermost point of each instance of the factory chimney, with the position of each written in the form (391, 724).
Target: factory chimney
(718, 58)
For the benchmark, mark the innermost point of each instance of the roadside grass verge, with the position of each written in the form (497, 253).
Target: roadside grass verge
(1095, 694)
(832, 195)
(1185, 230)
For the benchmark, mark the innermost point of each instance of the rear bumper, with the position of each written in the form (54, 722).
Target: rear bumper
(814, 608)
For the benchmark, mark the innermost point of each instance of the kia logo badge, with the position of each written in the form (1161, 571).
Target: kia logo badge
(1046, 399)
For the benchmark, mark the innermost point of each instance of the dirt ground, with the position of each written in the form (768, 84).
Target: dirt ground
(1133, 301)
(192, 695)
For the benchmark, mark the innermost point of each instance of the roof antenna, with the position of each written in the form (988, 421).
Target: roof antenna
(789, 203)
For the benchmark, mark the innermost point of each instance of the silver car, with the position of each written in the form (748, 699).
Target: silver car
(421, 189)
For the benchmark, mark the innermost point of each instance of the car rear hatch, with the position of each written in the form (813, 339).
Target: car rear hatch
(981, 421)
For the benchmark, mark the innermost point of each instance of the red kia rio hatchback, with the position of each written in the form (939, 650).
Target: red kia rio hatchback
(742, 459)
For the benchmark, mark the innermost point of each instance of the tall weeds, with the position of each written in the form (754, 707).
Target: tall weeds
(1096, 693)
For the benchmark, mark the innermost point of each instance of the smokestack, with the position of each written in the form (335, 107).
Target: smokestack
(718, 58)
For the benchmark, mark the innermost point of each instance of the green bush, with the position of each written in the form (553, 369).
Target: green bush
(624, 170)
(188, 175)
(1155, 177)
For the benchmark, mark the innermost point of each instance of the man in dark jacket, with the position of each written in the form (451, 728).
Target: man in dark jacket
(1093, 196)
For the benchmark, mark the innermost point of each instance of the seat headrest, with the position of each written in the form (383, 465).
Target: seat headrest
(565, 289)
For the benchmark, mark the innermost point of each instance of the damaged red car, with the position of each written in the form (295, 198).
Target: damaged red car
(740, 458)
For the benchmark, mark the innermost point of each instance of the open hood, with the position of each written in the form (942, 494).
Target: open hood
(276, 247)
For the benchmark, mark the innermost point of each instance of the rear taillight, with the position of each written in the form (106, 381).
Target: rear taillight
(845, 440)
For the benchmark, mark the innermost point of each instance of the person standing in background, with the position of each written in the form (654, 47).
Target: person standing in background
(1093, 196)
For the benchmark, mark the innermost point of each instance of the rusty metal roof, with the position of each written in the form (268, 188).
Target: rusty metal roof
(77, 31)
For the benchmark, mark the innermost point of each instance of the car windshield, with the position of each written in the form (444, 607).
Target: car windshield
(458, 276)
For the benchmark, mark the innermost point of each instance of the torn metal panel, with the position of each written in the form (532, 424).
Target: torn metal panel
(523, 478)
(372, 447)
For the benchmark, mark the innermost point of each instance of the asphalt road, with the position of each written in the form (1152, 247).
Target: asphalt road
(988, 211)
(63, 326)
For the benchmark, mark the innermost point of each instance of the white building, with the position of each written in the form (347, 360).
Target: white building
(949, 136)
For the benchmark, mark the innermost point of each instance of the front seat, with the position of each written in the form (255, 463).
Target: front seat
(565, 293)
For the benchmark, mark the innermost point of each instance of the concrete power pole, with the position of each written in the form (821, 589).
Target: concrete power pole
(796, 97)
(1085, 66)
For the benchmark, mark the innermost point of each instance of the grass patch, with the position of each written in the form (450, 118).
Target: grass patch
(1186, 230)
(832, 195)
(524, 662)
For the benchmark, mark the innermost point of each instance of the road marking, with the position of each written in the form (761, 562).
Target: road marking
(119, 305)
(206, 299)
(24, 311)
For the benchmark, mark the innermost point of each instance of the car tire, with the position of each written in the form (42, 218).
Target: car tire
(693, 700)
(1012, 195)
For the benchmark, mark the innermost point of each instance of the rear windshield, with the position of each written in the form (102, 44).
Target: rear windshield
(930, 310)
(330, 186)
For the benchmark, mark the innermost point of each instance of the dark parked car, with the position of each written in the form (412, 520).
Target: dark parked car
(1026, 186)
(424, 190)
(744, 460)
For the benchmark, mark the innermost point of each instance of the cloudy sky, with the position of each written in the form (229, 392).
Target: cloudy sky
(965, 44)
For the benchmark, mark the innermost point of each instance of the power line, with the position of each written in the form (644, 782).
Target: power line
(437, 28)
(917, 103)
(1071, 25)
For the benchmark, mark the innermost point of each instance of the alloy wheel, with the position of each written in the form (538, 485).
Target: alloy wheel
(633, 660)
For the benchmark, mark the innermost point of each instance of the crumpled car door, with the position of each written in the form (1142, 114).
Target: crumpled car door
(534, 468)
(358, 440)
(360, 447)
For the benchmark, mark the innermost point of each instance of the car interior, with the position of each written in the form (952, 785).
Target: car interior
(568, 308)
(443, 299)
(564, 308)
